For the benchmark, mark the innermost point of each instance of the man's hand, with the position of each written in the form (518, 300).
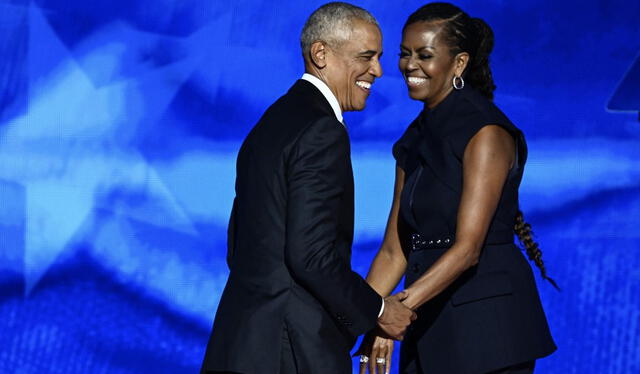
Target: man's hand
(396, 316)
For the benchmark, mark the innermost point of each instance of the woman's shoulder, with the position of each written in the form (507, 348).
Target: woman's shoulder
(405, 146)
(474, 112)
(475, 109)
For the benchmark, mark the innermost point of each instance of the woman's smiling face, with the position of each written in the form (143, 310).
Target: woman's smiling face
(427, 64)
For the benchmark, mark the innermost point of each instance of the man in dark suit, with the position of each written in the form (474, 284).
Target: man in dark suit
(292, 304)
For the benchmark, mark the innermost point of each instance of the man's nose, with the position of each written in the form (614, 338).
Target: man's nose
(376, 69)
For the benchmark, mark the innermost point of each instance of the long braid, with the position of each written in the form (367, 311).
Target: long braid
(523, 230)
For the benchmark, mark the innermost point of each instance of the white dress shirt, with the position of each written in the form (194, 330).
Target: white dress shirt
(326, 92)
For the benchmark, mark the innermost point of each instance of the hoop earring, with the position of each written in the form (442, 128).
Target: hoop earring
(458, 82)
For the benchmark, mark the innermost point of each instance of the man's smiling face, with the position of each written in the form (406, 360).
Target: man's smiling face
(354, 64)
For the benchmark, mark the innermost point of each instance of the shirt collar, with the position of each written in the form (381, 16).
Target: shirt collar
(326, 92)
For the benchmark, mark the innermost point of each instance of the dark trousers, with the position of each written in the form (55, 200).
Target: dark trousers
(524, 368)
(287, 359)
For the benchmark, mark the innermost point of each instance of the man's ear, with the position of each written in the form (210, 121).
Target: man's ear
(318, 54)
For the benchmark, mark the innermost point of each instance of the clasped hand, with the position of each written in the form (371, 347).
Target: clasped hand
(377, 345)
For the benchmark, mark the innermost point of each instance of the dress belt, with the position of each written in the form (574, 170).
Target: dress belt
(421, 242)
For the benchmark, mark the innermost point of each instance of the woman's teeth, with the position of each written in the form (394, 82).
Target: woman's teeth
(416, 80)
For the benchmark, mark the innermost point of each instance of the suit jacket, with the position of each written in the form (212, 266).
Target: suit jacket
(290, 237)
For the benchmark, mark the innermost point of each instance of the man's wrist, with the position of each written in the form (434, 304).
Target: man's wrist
(381, 309)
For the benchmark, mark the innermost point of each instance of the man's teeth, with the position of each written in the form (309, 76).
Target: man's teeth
(363, 84)
(416, 80)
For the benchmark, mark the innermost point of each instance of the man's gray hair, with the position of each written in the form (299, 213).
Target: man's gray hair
(332, 23)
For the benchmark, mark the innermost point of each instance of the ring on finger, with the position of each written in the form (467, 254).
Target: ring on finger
(381, 360)
(364, 359)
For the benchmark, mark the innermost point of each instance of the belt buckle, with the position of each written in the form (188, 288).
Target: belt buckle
(418, 243)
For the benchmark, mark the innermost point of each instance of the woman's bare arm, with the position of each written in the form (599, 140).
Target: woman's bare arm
(487, 160)
(390, 263)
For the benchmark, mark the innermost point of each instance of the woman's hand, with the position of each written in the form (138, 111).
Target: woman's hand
(378, 349)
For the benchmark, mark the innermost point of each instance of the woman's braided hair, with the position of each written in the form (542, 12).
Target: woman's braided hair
(525, 235)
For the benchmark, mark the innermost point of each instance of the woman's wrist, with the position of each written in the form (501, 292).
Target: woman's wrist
(412, 300)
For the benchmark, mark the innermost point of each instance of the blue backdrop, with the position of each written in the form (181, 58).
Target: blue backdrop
(119, 126)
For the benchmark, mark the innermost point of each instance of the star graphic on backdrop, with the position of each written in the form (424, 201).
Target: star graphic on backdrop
(72, 149)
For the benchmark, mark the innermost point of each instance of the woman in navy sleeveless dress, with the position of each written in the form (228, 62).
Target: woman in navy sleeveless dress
(451, 227)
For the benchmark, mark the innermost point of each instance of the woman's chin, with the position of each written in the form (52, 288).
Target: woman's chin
(416, 95)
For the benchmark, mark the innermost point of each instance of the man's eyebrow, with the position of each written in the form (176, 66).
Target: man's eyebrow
(369, 52)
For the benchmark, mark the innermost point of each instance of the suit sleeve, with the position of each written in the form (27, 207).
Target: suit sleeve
(318, 166)
(231, 235)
